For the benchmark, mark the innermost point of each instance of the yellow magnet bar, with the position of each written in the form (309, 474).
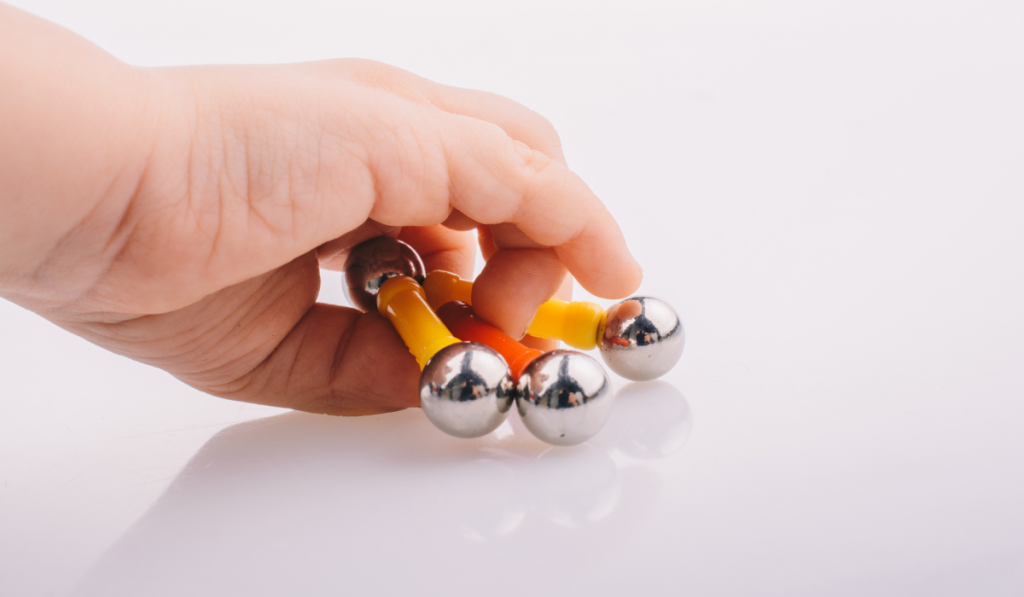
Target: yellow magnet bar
(579, 324)
(402, 300)
(444, 287)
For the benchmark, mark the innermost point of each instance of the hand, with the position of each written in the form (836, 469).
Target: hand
(179, 216)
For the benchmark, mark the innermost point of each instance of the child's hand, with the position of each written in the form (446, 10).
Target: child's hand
(179, 216)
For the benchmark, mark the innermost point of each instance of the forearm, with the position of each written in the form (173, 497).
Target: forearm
(75, 128)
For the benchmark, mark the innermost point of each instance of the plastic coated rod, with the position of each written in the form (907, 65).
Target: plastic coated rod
(459, 318)
(402, 300)
(579, 324)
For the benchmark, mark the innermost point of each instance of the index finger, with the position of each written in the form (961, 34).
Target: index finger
(494, 179)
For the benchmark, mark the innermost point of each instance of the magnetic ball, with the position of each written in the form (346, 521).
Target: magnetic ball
(466, 390)
(371, 263)
(564, 397)
(642, 338)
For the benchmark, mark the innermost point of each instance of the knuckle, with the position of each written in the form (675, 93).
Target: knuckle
(534, 161)
(546, 129)
(390, 79)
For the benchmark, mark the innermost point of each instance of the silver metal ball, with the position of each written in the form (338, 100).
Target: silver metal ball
(564, 397)
(370, 263)
(643, 338)
(466, 390)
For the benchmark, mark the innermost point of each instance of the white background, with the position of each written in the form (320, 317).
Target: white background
(830, 193)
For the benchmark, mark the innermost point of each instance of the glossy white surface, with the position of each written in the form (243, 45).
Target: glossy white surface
(830, 194)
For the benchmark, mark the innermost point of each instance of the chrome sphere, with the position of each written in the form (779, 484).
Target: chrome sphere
(372, 262)
(466, 390)
(642, 338)
(564, 397)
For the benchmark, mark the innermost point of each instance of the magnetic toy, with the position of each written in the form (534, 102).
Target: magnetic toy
(563, 397)
(465, 387)
(640, 338)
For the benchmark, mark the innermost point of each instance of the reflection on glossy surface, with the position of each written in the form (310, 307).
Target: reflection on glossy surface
(581, 485)
(564, 397)
(652, 419)
(466, 390)
(642, 338)
(372, 504)
(483, 498)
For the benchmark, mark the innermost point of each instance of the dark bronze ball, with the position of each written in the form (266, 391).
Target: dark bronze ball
(372, 262)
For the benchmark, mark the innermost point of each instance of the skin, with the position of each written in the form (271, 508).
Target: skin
(180, 216)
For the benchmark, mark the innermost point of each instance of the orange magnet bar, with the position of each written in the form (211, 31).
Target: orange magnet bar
(459, 318)
(402, 300)
(579, 324)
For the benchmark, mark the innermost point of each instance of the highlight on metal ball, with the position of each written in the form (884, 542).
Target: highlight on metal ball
(642, 338)
(371, 263)
(466, 390)
(564, 397)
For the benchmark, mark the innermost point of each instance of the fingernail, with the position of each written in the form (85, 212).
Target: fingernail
(526, 328)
